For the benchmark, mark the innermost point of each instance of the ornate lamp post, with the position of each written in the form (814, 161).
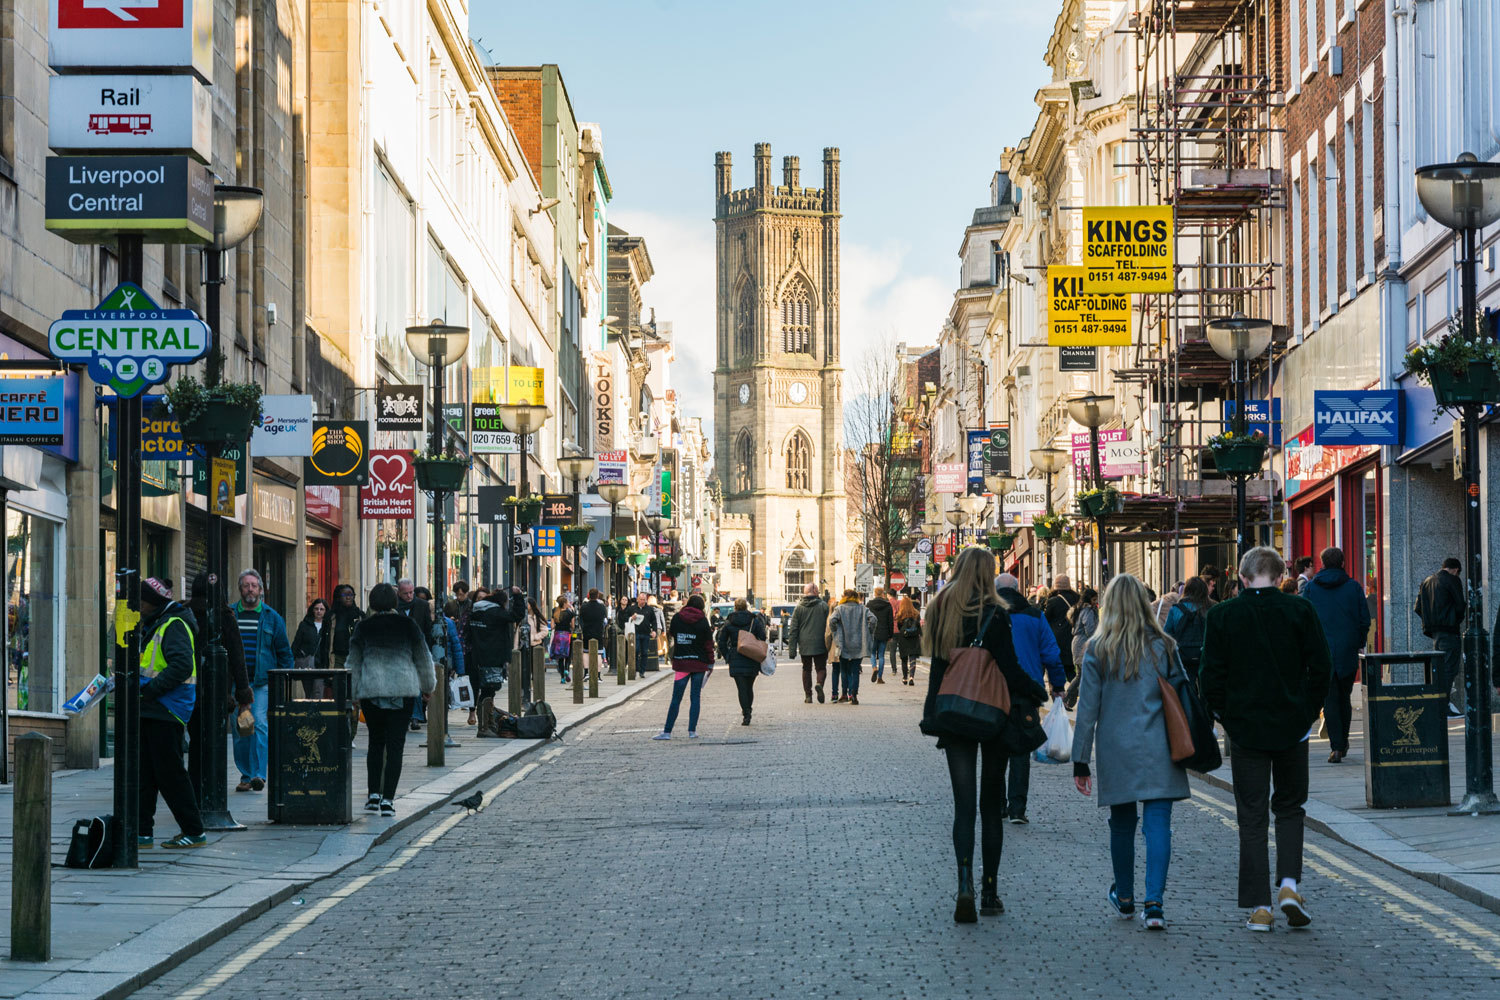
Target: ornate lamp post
(1000, 485)
(1465, 197)
(613, 493)
(655, 523)
(636, 502)
(973, 505)
(1049, 462)
(1237, 339)
(577, 467)
(524, 419)
(1094, 411)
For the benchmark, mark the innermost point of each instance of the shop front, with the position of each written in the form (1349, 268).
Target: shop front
(325, 520)
(273, 509)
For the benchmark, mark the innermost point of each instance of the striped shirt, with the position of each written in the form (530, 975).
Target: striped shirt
(249, 622)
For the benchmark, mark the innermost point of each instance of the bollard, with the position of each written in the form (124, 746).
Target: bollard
(513, 682)
(617, 657)
(437, 717)
(538, 674)
(630, 657)
(577, 669)
(593, 668)
(31, 864)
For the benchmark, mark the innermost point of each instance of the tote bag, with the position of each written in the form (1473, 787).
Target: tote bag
(974, 700)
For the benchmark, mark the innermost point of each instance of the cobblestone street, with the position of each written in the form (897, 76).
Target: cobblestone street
(808, 855)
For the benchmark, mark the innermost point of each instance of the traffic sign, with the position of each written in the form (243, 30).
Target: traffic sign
(128, 341)
(135, 34)
(1128, 249)
(898, 579)
(520, 544)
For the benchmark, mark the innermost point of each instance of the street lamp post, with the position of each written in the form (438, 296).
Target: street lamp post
(1465, 197)
(1237, 339)
(577, 467)
(1049, 462)
(438, 345)
(1000, 485)
(655, 523)
(973, 505)
(1094, 411)
(524, 419)
(674, 534)
(613, 493)
(636, 502)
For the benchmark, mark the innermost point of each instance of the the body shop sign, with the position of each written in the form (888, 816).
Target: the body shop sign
(133, 34)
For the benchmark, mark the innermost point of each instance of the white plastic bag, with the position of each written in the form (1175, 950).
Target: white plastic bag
(460, 693)
(1059, 732)
(768, 665)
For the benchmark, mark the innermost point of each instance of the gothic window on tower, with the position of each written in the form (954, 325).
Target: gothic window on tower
(799, 462)
(737, 556)
(744, 462)
(796, 320)
(744, 326)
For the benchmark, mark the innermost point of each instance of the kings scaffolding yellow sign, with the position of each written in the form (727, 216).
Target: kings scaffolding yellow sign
(1128, 249)
(1084, 318)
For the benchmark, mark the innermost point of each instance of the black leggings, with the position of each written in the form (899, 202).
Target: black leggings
(963, 768)
(746, 686)
(387, 727)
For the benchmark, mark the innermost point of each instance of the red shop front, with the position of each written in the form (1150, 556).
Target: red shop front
(1333, 499)
(325, 518)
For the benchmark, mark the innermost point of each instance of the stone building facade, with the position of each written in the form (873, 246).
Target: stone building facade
(778, 384)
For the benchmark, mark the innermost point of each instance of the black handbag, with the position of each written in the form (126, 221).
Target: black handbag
(1200, 722)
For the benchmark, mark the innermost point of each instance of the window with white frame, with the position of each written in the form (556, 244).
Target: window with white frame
(1310, 22)
(1313, 278)
(1119, 173)
(395, 270)
(1367, 183)
(1299, 262)
(1351, 185)
(1294, 36)
(1332, 182)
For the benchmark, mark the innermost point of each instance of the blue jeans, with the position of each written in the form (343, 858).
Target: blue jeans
(1156, 828)
(694, 681)
(645, 645)
(250, 751)
(877, 657)
(851, 670)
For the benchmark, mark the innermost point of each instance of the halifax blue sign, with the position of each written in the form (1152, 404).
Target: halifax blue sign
(1365, 417)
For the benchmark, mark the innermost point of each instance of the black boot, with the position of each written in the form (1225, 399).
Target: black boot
(989, 898)
(963, 913)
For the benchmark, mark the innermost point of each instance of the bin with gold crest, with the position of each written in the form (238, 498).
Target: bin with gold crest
(1406, 730)
(310, 753)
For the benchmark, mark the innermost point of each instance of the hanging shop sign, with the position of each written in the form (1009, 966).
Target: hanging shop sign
(612, 467)
(546, 541)
(978, 441)
(392, 488)
(1078, 317)
(603, 385)
(128, 341)
(1077, 359)
(31, 411)
(492, 507)
(997, 451)
(285, 429)
(221, 487)
(93, 199)
(526, 385)
(133, 34)
(339, 453)
(559, 508)
(398, 407)
(1025, 501)
(153, 113)
(1371, 417)
(201, 472)
(1260, 415)
(950, 477)
(161, 436)
(1128, 248)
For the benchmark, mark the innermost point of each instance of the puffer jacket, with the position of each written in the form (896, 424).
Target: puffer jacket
(729, 636)
(389, 658)
(692, 641)
(1036, 646)
(851, 624)
(491, 631)
(885, 619)
(804, 637)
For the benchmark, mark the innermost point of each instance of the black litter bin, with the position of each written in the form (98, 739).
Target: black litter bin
(311, 755)
(1406, 731)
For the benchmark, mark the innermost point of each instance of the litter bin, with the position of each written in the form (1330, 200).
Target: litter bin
(310, 752)
(1406, 731)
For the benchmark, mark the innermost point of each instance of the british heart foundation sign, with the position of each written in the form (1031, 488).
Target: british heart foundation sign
(392, 489)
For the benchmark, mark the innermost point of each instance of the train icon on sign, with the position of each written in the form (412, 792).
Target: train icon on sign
(106, 124)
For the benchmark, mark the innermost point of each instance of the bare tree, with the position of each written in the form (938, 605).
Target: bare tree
(876, 471)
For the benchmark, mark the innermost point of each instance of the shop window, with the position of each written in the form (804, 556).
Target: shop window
(32, 663)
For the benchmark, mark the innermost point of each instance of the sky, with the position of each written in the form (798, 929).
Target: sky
(920, 99)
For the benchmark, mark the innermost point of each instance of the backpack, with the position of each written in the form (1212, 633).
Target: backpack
(538, 722)
(93, 843)
(1188, 631)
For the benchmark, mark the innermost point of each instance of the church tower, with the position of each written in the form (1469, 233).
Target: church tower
(778, 383)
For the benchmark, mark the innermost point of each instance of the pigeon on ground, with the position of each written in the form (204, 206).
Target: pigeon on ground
(471, 803)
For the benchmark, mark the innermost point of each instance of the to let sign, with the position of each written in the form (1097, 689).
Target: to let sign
(1128, 249)
(91, 199)
(391, 491)
(129, 114)
(134, 34)
(950, 477)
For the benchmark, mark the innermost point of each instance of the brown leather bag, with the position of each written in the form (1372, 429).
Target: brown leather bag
(1179, 735)
(974, 699)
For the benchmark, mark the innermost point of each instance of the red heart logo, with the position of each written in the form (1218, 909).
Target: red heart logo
(390, 479)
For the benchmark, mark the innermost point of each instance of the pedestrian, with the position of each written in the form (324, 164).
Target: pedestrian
(1083, 618)
(967, 612)
(1037, 652)
(1120, 714)
(593, 621)
(562, 635)
(908, 638)
(1209, 574)
(1264, 675)
(391, 667)
(238, 681)
(460, 608)
(744, 669)
(1165, 604)
(1187, 621)
(1060, 601)
(454, 606)
(308, 645)
(346, 615)
(806, 637)
(852, 626)
(1303, 567)
(1441, 605)
(263, 634)
(692, 655)
(1344, 614)
(1289, 586)
(168, 694)
(414, 606)
(492, 640)
(880, 636)
(644, 620)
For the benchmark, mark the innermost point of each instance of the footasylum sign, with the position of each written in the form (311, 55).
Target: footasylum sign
(128, 341)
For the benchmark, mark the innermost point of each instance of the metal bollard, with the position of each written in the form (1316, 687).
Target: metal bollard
(617, 657)
(513, 682)
(538, 674)
(578, 673)
(31, 864)
(593, 668)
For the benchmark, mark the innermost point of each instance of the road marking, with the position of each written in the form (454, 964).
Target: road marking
(1407, 901)
(255, 952)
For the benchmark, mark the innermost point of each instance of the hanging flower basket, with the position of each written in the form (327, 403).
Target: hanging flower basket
(528, 509)
(214, 415)
(639, 558)
(441, 473)
(659, 563)
(576, 534)
(1460, 371)
(613, 548)
(1240, 455)
(1479, 382)
(1098, 502)
(1001, 541)
(1049, 526)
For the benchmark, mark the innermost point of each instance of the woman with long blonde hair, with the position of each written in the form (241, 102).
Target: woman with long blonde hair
(968, 612)
(1120, 711)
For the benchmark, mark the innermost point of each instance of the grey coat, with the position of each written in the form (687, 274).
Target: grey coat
(804, 636)
(389, 658)
(1125, 719)
(852, 624)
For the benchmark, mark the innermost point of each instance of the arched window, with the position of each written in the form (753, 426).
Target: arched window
(737, 556)
(744, 326)
(744, 463)
(797, 320)
(796, 573)
(799, 462)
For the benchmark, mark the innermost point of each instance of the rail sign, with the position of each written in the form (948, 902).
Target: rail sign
(1128, 249)
(130, 114)
(134, 34)
(128, 341)
(1079, 317)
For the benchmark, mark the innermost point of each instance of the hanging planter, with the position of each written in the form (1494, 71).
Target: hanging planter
(1238, 454)
(1000, 541)
(528, 509)
(1478, 383)
(639, 558)
(1459, 371)
(1049, 526)
(440, 473)
(223, 414)
(613, 548)
(576, 534)
(1099, 501)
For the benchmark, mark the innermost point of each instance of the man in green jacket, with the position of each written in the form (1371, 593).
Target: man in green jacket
(1264, 674)
(805, 636)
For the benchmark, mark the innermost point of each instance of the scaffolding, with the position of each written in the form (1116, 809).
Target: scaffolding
(1207, 138)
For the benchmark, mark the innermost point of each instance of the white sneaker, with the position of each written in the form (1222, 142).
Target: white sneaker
(372, 804)
(662, 736)
(692, 736)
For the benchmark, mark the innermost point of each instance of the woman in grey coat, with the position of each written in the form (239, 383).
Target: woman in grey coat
(1120, 709)
(850, 625)
(390, 667)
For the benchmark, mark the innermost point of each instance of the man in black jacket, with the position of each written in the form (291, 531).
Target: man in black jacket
(1063, 600)
(1441, 604)
(1264, 674)
(491, 635)
(593, 621)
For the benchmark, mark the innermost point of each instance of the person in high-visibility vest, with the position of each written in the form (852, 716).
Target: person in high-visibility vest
(168, 691)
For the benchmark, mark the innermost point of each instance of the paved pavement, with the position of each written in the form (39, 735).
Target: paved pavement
(115, 929)
(808, 855)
